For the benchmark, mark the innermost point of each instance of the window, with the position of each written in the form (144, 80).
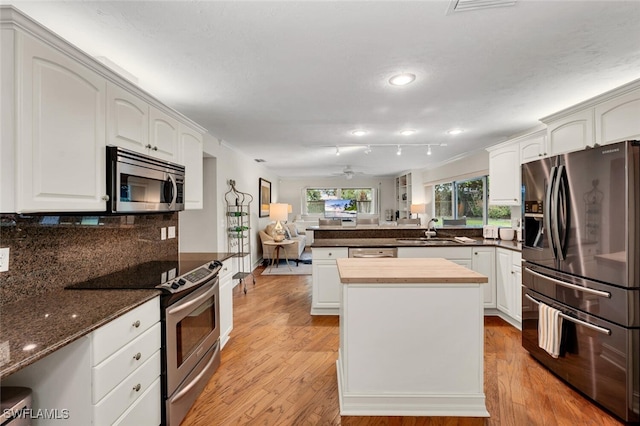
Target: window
(465, 201)
(358, 200)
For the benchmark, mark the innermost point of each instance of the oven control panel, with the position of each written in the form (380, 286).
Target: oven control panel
(193, 278)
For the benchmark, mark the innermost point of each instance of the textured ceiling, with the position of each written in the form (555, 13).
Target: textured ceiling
(286, 81)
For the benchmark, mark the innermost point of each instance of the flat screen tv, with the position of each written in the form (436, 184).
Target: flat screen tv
(340, 208)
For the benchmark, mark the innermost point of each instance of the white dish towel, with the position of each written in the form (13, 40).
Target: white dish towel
(549, 329)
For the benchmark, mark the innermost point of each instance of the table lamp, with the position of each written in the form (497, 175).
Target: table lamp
(278, 212)
(417, 209)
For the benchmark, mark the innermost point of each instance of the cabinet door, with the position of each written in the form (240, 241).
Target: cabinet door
(61, 138)
(191, 158)
(517, 294)
(571, 133)
(226, 301)
(127, 120)
(483, 262)
(326, 294)
(504, 295)
(163, 135)
(618, 119)
(504, 176)
(534, 147)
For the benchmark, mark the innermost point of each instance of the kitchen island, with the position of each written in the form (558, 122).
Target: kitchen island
(411, 338)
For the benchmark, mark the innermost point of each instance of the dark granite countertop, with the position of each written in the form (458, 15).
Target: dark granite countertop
(56, 318)
(393, 242)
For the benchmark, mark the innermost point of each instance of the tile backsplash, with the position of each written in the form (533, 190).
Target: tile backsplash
(50, 252)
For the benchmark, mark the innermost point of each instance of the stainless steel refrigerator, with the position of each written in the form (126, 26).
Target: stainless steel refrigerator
(581, 256)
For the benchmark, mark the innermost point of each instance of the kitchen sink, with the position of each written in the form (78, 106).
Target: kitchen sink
(424, 241)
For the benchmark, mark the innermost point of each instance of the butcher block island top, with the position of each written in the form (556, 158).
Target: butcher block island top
(411, 338)
(407, 270)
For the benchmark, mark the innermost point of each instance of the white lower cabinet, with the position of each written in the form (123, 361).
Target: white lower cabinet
(484, 262)
(509, 285)
(111, 376)
(325, 295)
(226, 301)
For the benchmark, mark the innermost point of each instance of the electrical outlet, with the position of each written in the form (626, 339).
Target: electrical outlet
(4, 259)
(163, 233)
(172, 232)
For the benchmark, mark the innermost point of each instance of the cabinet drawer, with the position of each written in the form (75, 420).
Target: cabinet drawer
(119, 399)
(146, 411)
(111, 337)
(330, 253)
(125, 361)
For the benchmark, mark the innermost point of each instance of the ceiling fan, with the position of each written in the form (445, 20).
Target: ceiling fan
(348, 173)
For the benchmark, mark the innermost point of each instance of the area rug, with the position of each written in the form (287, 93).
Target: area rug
(301, 269)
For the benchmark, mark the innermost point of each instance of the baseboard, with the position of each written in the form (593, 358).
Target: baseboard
(467, 405)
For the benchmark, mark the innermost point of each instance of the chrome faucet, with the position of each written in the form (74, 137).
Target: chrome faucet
(431, 230)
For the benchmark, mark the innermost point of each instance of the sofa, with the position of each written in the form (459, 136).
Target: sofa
(292, 251)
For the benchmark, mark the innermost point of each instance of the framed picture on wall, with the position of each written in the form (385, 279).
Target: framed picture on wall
(265, 197)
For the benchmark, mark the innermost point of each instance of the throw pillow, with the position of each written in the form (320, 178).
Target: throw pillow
(287, 233)
(292, 229)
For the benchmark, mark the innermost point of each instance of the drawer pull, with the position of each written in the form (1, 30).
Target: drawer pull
(137, 387)
(136, 324)
(137, 356)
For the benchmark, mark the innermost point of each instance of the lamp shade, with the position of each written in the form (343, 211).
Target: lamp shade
(278, 212)
(418, 208)
(289, 208)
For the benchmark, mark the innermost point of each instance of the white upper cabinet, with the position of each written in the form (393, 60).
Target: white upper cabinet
(60, 138)
(191, 157)
(571, 133)
(618, 119)
(127, 120)
(163, 135)
(504, 175)
(533, 147)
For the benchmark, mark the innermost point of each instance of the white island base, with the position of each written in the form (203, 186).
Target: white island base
(410, 348)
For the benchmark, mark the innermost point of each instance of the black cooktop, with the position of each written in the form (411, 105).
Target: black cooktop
(139, 277)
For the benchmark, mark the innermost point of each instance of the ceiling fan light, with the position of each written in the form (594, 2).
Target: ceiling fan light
(368, 149)
(402, 79)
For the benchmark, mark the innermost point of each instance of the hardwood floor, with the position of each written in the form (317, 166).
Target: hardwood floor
(279, 368)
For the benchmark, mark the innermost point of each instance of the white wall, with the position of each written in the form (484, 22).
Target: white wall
(204, 230)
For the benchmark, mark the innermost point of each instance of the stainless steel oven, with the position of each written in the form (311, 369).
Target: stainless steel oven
(190, 315)
(192, 333)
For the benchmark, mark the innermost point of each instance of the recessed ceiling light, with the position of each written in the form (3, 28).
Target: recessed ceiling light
(455, 131)
(407, 132)
(359, 132)
(402, 79)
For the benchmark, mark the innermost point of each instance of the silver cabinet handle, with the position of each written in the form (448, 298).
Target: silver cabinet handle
(137, 356)
(136, 324)
(137, 387)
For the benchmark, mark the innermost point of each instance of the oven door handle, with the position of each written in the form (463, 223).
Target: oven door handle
(571, 286)
(182, 306)
(576, 320)
(195, 380)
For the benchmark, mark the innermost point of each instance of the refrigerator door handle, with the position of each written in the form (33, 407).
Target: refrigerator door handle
(576, 320)
(569, 285)
(548, 209)
(560, 195)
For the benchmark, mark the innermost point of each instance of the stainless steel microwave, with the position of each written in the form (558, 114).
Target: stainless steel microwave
(138, 183)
